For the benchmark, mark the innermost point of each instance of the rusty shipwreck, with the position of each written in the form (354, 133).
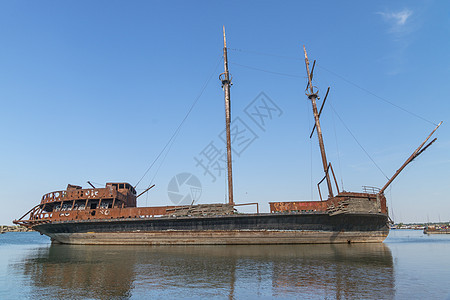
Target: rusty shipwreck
(109, 215)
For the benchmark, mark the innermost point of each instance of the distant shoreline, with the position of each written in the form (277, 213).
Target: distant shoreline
(13, 228)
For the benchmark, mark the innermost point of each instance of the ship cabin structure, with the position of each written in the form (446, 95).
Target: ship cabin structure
(113, 195)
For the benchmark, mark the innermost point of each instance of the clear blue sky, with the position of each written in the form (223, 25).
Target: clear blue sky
(93, 90)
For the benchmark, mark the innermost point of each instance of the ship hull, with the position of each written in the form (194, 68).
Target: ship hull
(289, 228)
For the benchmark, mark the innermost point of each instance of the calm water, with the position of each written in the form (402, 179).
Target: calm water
(409, 265)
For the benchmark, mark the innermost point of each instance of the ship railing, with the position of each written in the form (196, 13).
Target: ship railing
(32, 216)
(101, 213)
(244, 204)
(370, 189)
(82, 194)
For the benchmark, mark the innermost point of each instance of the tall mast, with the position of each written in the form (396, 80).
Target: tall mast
(226, 83)
(313, 96)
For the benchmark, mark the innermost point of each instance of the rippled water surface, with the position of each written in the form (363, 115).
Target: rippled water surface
(409, 265)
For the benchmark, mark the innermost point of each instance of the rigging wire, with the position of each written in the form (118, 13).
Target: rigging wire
(265, 54)
(311, 166)
(174, 135)
(267, 71)
(392, 207)
(335, 74)
(310, 151)
(161, 163)
(167, 152)
(225, 188)
(338, 153)
(378, 97)
(368, 155)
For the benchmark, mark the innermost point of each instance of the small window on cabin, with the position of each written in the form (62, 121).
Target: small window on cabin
(121, 186)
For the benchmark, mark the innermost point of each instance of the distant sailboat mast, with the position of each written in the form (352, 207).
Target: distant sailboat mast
(226, 83)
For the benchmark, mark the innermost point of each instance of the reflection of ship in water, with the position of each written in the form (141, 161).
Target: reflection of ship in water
(341, 271)
(338, 271)
(77, 272)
